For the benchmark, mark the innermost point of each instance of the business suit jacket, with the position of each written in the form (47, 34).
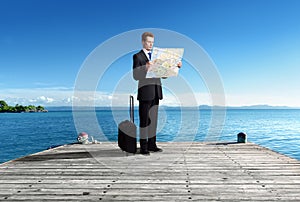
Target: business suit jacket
(148, 88)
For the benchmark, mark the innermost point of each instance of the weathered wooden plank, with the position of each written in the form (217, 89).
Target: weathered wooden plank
(183, 172)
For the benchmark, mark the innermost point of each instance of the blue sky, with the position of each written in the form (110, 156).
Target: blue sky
(253, 43)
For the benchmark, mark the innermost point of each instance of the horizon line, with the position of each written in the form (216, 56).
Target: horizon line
(263, 106)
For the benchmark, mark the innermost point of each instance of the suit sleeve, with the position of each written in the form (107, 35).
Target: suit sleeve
(139, 69)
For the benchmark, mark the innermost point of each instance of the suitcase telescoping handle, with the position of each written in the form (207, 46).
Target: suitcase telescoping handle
(131, 108)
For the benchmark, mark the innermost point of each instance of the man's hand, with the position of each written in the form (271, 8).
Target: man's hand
(148, 65)
(179, 64)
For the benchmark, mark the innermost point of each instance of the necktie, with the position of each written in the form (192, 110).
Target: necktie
(149, 53)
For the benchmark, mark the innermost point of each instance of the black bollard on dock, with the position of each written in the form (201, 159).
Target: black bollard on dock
(242, 137)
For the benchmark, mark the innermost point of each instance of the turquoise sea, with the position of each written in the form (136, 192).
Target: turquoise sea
(27, 133)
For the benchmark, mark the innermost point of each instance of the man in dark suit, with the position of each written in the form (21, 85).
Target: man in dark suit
(149, 94)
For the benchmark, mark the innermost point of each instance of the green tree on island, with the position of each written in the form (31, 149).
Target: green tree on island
(4, 107)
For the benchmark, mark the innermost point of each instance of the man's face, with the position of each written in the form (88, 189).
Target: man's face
(148, 43)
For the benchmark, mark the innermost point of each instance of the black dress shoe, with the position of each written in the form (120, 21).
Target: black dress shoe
(155, 149)
(144, 152)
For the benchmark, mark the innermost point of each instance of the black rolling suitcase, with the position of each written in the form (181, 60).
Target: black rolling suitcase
(127, 131)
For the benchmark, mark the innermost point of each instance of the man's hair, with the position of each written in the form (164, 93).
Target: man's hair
(145, 34)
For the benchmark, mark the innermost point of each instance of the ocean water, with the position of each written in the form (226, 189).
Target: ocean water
(27, 133)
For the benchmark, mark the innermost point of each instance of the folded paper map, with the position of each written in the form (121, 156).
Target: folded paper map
(164, 62)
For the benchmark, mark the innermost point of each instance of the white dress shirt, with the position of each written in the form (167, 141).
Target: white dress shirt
(146, 53)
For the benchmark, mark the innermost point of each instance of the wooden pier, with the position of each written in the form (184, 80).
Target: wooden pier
(182, 172)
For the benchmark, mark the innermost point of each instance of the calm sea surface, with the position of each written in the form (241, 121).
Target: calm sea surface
(27, 133)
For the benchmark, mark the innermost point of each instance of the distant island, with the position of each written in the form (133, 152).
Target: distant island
(216, 107)
(247, 107)
(5, 108)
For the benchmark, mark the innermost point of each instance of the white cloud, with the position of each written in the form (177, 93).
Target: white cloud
(45, 99)
(40, 96)
(186, 99)
(66, 97)
(62, 97)
(260, 99)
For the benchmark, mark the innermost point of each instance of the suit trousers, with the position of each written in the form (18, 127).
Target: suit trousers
(148, 112)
